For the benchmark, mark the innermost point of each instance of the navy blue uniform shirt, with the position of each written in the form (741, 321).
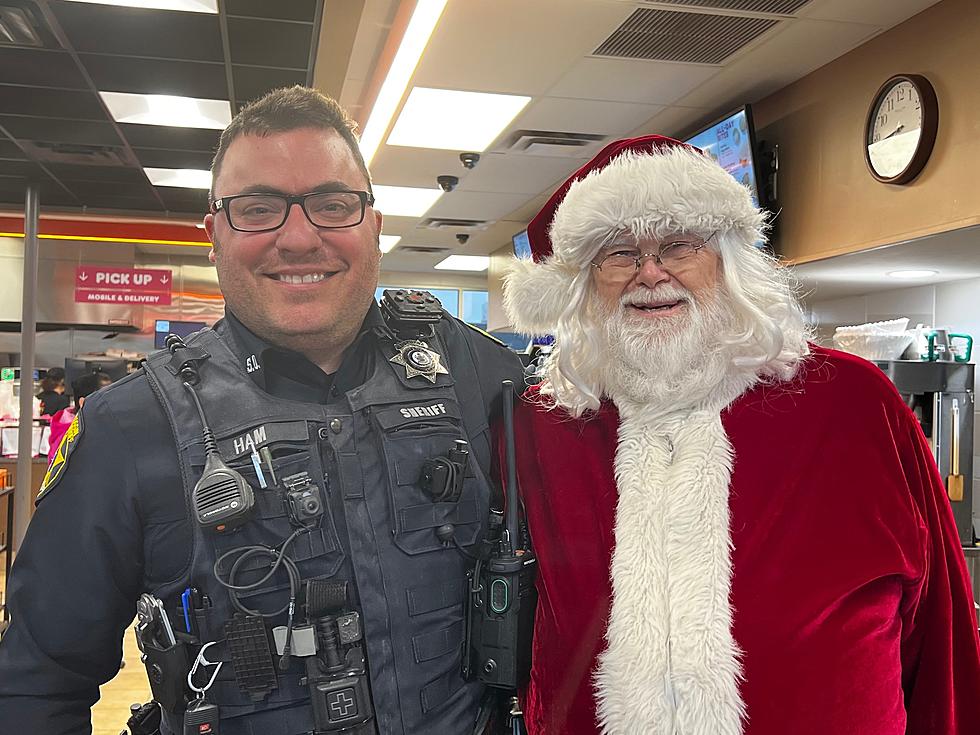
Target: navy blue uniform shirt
(115, 524)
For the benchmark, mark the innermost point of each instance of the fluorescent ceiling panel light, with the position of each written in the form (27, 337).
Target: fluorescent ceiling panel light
(190, 6)
(186, 178)
(464, 263)
(404, 201)
(913, 274)
(388, 242)
(420, 28)
(164, 109)
(454, 120)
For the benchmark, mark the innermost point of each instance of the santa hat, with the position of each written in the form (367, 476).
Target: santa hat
(650, 186)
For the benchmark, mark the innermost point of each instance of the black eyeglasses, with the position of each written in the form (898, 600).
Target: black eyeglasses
(329, 210)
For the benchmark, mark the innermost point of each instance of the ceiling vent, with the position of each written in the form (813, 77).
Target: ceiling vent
(21, 24)
(78, 153)
(422, 250)
(441, 223)
(771, 7)
(695, 38)
(550, 143)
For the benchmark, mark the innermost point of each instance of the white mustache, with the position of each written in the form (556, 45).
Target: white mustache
(664, 293)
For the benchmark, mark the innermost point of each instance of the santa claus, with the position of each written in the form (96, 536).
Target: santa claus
(737, 531)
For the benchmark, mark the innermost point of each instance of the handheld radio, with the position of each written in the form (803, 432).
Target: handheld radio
(502, 597)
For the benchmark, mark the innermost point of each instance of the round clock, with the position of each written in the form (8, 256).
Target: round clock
(901, 128)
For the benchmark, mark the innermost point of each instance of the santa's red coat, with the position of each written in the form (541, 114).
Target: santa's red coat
(850, 596)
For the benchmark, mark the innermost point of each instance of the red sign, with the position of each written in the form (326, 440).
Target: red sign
(103, 285)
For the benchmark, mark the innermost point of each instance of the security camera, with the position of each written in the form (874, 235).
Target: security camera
(447, 183)
(462, 238)
(469, 160)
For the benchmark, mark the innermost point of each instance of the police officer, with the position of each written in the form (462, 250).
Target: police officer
(338, 420)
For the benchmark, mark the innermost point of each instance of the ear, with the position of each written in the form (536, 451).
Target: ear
(535, 295)
(209, 230)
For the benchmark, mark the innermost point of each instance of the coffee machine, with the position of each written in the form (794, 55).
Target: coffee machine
(941, 394)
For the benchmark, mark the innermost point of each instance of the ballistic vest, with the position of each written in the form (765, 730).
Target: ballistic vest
(365, 449)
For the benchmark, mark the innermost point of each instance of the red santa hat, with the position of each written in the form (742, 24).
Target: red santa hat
(651, 185)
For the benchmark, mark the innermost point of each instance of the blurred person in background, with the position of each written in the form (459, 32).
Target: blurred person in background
(52, 395)
(81, 387)
(737, 532)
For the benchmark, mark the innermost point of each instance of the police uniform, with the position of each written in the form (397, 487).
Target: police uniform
(115, 521)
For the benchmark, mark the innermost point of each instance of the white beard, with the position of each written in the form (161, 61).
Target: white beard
(674, 363)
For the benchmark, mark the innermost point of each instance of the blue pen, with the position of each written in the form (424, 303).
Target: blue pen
(185, 603)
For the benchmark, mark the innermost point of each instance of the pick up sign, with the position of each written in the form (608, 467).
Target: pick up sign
(104, 285)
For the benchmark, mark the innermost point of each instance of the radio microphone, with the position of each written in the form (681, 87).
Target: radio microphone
(222, 499)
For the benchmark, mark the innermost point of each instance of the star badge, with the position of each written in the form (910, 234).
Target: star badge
(418, 359)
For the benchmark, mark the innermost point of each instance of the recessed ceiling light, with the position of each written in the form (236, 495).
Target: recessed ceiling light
(913, 273)
(164, 109)
(388, 242)
(190, 6)
(420, 27)
(405, 201)
(464, 263)
(187, 178)
(454, 120)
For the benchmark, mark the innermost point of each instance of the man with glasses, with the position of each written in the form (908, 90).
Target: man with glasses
(737, 532)
(265, 481)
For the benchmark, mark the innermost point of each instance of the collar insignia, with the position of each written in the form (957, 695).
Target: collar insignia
(417, 359)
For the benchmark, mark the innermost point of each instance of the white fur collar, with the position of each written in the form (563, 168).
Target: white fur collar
(671, 666)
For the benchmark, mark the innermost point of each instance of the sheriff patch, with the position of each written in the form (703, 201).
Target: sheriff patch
(60, 462)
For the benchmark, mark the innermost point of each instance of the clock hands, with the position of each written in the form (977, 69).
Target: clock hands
(897, 130)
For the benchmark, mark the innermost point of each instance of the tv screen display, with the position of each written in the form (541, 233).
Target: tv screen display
(164, 327)
(731, 142)
(522, 245)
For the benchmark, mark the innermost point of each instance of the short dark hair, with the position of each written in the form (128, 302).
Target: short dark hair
(85, 385)
(286, 109)
(56, 374)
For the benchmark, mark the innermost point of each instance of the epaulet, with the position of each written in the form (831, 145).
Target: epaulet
(485, 334)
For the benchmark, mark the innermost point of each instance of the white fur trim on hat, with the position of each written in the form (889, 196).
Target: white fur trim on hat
(671, 189)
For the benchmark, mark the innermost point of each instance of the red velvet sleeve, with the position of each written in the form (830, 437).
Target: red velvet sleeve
(940, 649)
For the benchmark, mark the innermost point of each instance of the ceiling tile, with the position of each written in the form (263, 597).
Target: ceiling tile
(518, 174)
(626, 80)
(24, 169)
(301, 10)
(886, 14)
(477, 205)
(584, 116)
(10, 150)
(93, 200)
(267, 43)
(90, 190)
(12, 189)
(38, 68)
(157, 76)
(60, 131)
(50, 103)
(140, 32)
(251, 82)
(158, 136)
(162, 158)
(119, 174)
(467, 51)
(184, 200)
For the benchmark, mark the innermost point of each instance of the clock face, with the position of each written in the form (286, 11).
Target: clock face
(901, 128)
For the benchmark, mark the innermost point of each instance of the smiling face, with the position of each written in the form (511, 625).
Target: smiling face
(299, 287)
(656, 294)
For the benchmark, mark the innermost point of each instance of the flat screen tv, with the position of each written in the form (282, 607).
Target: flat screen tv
(163, 327)
(75, 367)
(522, 245)
(731, 142)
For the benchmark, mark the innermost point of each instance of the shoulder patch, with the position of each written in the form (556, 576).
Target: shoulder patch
(60, 462)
